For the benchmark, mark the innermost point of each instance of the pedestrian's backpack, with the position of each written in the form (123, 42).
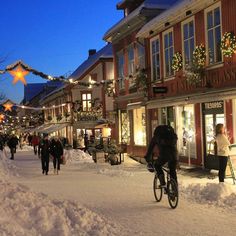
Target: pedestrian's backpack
(165, 135)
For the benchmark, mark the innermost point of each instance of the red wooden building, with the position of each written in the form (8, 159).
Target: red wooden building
(199, 87)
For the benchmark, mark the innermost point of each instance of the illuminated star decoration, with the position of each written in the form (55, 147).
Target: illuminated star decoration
(1, 117)
(8, 106)
(19, 74)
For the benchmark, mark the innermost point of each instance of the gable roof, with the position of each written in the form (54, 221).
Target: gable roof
(32, 89)
(155, 7)
(104, 53)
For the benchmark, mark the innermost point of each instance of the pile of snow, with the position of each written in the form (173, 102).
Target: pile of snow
(76, 155)
(7, 168)
(25, 148)
(28, 213)
(220, 194)
(115, 171)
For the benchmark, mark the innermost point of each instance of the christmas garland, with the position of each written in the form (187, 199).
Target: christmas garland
(53, 78)
(177, 62)
(228, 44)
(199, 56)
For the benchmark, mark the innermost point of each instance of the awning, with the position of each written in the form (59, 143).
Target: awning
(54, 128)
(134, 105)
(101, 126)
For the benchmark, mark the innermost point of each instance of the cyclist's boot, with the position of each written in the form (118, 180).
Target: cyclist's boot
(162, 180)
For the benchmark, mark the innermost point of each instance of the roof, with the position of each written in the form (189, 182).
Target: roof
(105, 52)
(31, 90)
(173, 15)
(148, 4)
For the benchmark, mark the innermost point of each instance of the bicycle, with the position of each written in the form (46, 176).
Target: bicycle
(171, 188)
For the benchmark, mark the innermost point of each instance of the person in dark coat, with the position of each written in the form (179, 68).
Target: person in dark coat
(12, 143)
(57, 153)
(44, 151)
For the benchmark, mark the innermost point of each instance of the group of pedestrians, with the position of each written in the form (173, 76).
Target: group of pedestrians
(51, 147)
(11, 141)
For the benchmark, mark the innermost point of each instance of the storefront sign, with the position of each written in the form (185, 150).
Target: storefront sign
(212, 107)
(160, 89)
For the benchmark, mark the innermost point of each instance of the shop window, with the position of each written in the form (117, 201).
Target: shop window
(168, 53)
(155, 59)
(124, 131)
(86, 101)
(167, 116)
(213, 33)
(139, 121)
(185, 122)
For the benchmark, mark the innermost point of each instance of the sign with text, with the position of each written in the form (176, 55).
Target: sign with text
(213, 107)
(160, 89)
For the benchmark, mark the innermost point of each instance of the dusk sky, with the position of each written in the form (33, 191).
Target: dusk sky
(51, 36)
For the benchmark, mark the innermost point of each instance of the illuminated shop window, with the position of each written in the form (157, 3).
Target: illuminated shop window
(139, 121)
(186, 130)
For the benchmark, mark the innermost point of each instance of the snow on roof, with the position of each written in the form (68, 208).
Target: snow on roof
(105, 52)
(148, 4)
(174, 13)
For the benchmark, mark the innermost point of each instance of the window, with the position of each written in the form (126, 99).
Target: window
(155, 60)
(139, 120)
(141, 56)
(131, 60)
(188, 41)
(86, 101)
(213, 28)
(120, 66)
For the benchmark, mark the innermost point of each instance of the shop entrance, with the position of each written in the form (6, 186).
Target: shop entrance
(213, 114)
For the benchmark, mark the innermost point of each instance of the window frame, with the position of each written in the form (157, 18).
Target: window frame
(86, 109)
(131, 63)
(140, 58)
(120, 77)
(163, 51)
(183, 23)
(151, 55)
(206, 11)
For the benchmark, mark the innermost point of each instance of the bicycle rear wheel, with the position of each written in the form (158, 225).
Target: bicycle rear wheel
(157, 189)
(173, 193)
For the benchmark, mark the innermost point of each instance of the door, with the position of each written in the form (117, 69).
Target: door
(212, 115)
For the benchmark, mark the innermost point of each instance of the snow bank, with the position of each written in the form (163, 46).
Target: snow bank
(28, 213)
(115, 171)
(76, 155)
(7, 168)
(25, 148)
(220, 194)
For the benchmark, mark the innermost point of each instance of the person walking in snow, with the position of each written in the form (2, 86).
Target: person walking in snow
(12, 143)
(57, 153)
(44, 151)
(35, 143)
(222, 150)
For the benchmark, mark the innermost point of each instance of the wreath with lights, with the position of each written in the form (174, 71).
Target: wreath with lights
(228, 44)
(195, 71)
(177, 62)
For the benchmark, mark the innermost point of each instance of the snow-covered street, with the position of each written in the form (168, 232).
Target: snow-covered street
(99, 199)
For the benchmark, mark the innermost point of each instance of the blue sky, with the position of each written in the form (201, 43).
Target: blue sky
(51, 36)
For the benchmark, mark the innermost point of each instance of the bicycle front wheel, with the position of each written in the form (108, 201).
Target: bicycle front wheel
(173, 193)
(157, 189)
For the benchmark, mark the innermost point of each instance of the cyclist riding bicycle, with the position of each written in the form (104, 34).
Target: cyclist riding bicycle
(163, 146)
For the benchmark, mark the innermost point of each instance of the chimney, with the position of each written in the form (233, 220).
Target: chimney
(91, 52)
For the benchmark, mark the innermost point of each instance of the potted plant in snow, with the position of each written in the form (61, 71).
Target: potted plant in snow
(113, 153)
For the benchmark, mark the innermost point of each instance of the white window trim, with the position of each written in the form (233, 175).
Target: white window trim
(192, 18)
(151, 40)
(211, 8)
(163, 51)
